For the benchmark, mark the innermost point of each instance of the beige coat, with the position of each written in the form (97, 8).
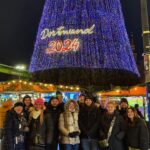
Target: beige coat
(68, 122)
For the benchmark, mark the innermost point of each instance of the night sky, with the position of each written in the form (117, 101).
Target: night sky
(19, 21)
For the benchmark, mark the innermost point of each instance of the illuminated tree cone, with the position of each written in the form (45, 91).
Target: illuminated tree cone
(83, 42)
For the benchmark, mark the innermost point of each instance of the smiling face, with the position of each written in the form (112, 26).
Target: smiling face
(124, 105)
(27, 102)
(55, 102)
(131, 114)
(81, 99)
(38, 107)
(18, 109)
(110, 108)
(71, 106)
(88, 102)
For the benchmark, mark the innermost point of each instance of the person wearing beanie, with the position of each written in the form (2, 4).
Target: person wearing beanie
(41, 127)
(27, 105)
(59, 95)
(123, 108)
(15, 128)
(53, 110)
(88, 123)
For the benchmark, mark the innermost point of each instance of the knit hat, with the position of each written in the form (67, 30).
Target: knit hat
(89, 97)
(59, 93)
(124, 100)
(18, 104)
(82, 95)
(39, 101)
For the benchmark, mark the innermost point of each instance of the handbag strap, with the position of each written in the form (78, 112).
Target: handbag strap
(111, 127)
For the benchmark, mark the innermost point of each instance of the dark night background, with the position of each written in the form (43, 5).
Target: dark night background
(19, 22)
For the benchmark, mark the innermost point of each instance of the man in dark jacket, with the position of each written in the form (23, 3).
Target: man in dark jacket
(123, 108)
(81, 100)
(103, 103)
(59, 95)
(54, 109)
(88, 123)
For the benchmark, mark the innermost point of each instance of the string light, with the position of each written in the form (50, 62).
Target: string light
(106, 48)
(77, 88)
(71, 88)
(100, 94)
(61, 86)
(45, 85)
(14, 81)
(30, 83)
(24, 82)
(20, 81)
(118, 91)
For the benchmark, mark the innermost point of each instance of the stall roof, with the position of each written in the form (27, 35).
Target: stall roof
(22, 86)
(134, 91)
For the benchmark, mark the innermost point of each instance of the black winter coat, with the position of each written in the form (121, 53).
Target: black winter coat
(89, 121)
(45, 130)
(137, 135)
(102, 110)
(26, 111)
(118, 131)
(13, 128)
(55, 113)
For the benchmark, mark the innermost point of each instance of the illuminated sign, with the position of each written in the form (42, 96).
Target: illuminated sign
(46, 33)
(60, 46)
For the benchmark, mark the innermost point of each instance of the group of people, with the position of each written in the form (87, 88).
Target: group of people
(75, 125)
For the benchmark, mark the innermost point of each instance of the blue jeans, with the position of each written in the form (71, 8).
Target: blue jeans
(71, 147)
(89, 144)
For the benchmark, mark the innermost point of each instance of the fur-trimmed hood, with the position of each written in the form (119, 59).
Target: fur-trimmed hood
(66, 107)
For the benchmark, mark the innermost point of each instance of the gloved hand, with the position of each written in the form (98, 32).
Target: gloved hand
(73, 134)
(77, 133)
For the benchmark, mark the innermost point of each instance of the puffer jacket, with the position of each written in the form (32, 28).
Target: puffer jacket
(68, 122)
(14, 127)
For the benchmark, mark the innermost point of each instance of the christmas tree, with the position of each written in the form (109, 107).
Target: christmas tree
(83, 42)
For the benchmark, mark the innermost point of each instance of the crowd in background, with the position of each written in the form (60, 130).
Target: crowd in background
(75, 125)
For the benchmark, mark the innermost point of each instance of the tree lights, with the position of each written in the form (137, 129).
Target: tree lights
(83, 42)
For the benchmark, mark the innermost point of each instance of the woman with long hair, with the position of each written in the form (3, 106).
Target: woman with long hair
(27, 105)
(41, 127)
(68, 126)
(137, 132)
